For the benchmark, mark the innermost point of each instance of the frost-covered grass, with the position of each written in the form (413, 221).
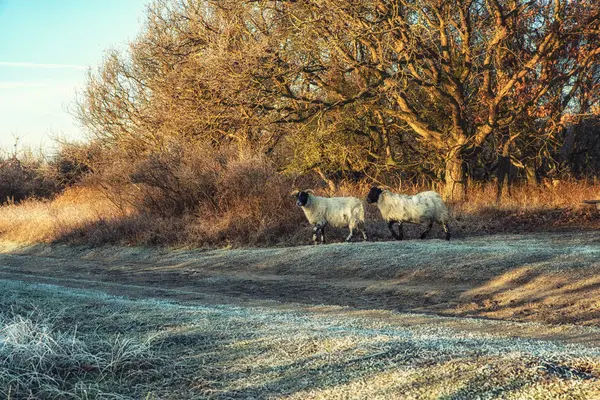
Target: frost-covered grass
(44, 354)
(64, 343)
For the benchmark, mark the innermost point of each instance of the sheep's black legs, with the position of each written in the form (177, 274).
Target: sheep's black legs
(318, 230)
(391, 228)
(315, 236)
(364, 233)
(424, 234)
(400, 234)
(446, 229)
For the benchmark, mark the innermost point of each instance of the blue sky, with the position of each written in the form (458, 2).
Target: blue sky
(46, 46)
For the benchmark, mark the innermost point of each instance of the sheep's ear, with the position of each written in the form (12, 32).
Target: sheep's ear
(295, 193)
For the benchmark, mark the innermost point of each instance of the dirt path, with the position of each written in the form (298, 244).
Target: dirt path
(547, 278)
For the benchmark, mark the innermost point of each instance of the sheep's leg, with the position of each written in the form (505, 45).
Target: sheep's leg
(323, 234)
(363, 231)
(391, 228)
(446, 229)
(315, 235)
(424, 234)
(350, 235)
(399, 235)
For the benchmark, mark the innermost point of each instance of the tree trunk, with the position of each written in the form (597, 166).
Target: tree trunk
(531, 173)
(569, 143)
(502, 172)
(329, 182)
(455, 177)
(503, 167)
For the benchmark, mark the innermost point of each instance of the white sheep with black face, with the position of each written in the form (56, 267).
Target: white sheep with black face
(339, 212)
(422, 208)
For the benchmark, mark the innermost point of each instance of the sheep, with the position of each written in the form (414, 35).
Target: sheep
(425, 207)
(338, 212)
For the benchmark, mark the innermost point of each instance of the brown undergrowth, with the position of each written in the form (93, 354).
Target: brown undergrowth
(250, 206)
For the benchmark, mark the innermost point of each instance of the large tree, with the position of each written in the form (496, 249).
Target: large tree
(454, 72)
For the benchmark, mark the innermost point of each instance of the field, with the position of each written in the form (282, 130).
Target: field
(494, 317)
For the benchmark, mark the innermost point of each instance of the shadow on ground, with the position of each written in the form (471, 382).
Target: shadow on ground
(546, 277)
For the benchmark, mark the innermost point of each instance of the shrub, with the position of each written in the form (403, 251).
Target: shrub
(175, 181)
(20, 179)
(29, 175)
(74, 161)
(191, 193)
(251, 204)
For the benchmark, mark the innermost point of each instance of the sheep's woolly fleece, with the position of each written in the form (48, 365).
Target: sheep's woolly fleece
(339, 212)
(422, 207)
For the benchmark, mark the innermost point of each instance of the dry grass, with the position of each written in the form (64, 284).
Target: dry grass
(529, 208)
(86, 215)
(34, 221)
(559, 194)
(252, 207)
(99, 346)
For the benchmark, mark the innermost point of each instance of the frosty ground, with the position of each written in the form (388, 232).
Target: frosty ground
(495, 317)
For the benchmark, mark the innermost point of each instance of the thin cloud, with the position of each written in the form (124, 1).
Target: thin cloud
(20, 85)
(41, 66)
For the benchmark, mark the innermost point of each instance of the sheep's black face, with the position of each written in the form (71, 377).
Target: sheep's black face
(302, 199)
(373, 195)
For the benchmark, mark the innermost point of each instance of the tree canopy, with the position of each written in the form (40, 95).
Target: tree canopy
(421, 88)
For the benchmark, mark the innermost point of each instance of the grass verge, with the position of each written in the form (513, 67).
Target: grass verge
(100, 346)
(86, 216)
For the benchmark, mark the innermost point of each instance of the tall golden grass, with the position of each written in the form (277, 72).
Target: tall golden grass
(35, 221)
(255, 209)
(558, 194)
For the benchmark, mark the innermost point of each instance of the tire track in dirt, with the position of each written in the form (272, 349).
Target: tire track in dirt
(261, 281)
